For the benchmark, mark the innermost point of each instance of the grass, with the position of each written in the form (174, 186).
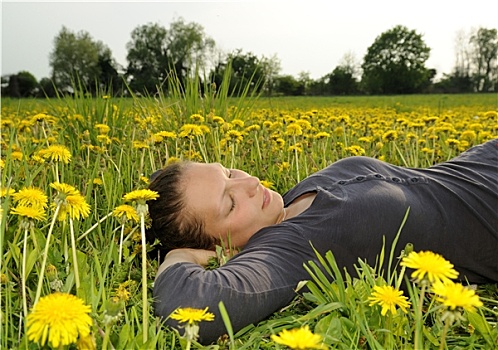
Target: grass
(280, 140)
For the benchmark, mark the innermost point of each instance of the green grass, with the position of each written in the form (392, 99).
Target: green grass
(106, 166)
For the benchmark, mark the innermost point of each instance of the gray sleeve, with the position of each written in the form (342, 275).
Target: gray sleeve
(255, 283)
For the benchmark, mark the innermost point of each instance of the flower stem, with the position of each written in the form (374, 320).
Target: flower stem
(75, 258)
(418, 325)
(121, 244)
(23, 277)
(442, 344)
(45, 255)
(145, 307)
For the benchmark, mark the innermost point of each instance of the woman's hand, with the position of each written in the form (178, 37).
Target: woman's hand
(196, 256)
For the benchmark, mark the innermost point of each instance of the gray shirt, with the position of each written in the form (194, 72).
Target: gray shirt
(453, 212)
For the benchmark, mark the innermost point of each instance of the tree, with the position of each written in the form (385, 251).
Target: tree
(246, 70)
(395, 63)
(154, 51)
(484, 56)
(342, 82)
(289, 86)
(75, 60)
(147, 57)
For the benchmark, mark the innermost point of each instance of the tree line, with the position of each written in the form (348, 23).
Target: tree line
(395, 63)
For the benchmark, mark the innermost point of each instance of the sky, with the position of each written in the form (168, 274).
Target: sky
(310, 36)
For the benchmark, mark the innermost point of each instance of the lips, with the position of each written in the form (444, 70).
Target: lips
(266, 197)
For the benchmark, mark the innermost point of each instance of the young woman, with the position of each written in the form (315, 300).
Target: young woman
(346, 208)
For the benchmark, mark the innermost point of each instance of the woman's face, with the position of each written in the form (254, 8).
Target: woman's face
(230, 202)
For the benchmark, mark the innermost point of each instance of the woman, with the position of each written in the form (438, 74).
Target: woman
(347, 208)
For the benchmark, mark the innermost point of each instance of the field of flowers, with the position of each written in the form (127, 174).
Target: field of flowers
(74, 173)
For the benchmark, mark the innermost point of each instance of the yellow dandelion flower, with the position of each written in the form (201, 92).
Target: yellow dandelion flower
(104, 139)
(17, 155)
(191, 316)
(234, 136)
(56, 153)
(266, 184)
(29, 212)
(59, 318)
(190, 130)
(38, 159)
(197, 118)
(455, 295)
(299, 339)
(217, 119)
(140, 145)
(6, 192)
(126, 212)
(428, 263)
(355, 150)
(294, 129)
(31, 196)
(86, 342)
(102, 128)
(64, 188)
(2, 163)
(388, 298)
(166, 134)
(75, 206)
(97, 181)
(172, 160)
(238, 123)
(322, 135)
(390, 135)
(140, 196)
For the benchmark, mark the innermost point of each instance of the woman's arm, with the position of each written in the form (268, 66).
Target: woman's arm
(195, 256)
(252, 285)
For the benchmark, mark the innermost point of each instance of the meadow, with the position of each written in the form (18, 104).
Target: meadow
(73, 171)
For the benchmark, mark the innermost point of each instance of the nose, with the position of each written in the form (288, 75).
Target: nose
(248, 185)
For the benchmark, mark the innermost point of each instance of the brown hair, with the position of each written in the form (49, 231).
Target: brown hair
(172, 224)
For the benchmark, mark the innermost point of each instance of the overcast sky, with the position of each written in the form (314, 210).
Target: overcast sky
(307, 36)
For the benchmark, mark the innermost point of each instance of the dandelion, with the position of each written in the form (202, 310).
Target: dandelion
(455, 295)
(29, 212)
(60, 319)
(64, 189)
(140, 197)
(299, 339)
(190, 130)
(126, 212)
(267, 184)
(294, 129)
(429, 267)
(388, 298)
(31, 196)
(56, 153)
(140, 145)
(17, 155)
(197, 118)
(192, 316)
(322, 135)
(234, 136)
(166, 134)
(74, 206)
(429, 264)
(102, 128)
(390, 135)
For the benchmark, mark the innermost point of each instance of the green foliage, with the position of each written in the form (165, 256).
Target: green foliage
(78, 60)
(395, 63)
(107, 163)
(154, 52)
(484, 55)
